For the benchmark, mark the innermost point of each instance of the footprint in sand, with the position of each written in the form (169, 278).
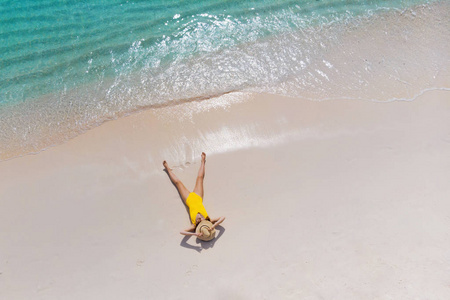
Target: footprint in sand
(140, 262)
(188, 274)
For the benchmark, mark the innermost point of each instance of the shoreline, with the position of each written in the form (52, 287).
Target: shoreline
(359, 189)
(226, 100)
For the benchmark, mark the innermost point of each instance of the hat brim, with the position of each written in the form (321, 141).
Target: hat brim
(205, 223)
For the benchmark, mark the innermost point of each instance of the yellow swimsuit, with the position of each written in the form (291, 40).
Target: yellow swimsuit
(195, 204)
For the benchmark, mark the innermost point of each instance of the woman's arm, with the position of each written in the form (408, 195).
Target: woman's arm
(189, 231)
(217, 222)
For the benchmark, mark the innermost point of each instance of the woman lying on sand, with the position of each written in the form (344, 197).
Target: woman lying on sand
(202, 226)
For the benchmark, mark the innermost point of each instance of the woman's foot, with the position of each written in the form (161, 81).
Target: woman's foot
(166, 166)
(203, 157)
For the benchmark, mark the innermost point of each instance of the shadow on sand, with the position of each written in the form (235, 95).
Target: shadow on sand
(202, 245)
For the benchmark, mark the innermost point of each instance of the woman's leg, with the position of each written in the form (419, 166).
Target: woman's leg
(182, 190)
(201, 175)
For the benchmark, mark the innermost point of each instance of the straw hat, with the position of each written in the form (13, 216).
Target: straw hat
(203, 226)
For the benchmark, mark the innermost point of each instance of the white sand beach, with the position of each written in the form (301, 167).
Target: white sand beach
(339, 199)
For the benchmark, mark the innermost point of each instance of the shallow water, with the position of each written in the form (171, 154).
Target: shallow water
(66, 67)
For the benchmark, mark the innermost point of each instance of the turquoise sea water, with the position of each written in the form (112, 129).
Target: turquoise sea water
(70, 65)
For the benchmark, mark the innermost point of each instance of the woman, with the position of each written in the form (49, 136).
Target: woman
(202, 226)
